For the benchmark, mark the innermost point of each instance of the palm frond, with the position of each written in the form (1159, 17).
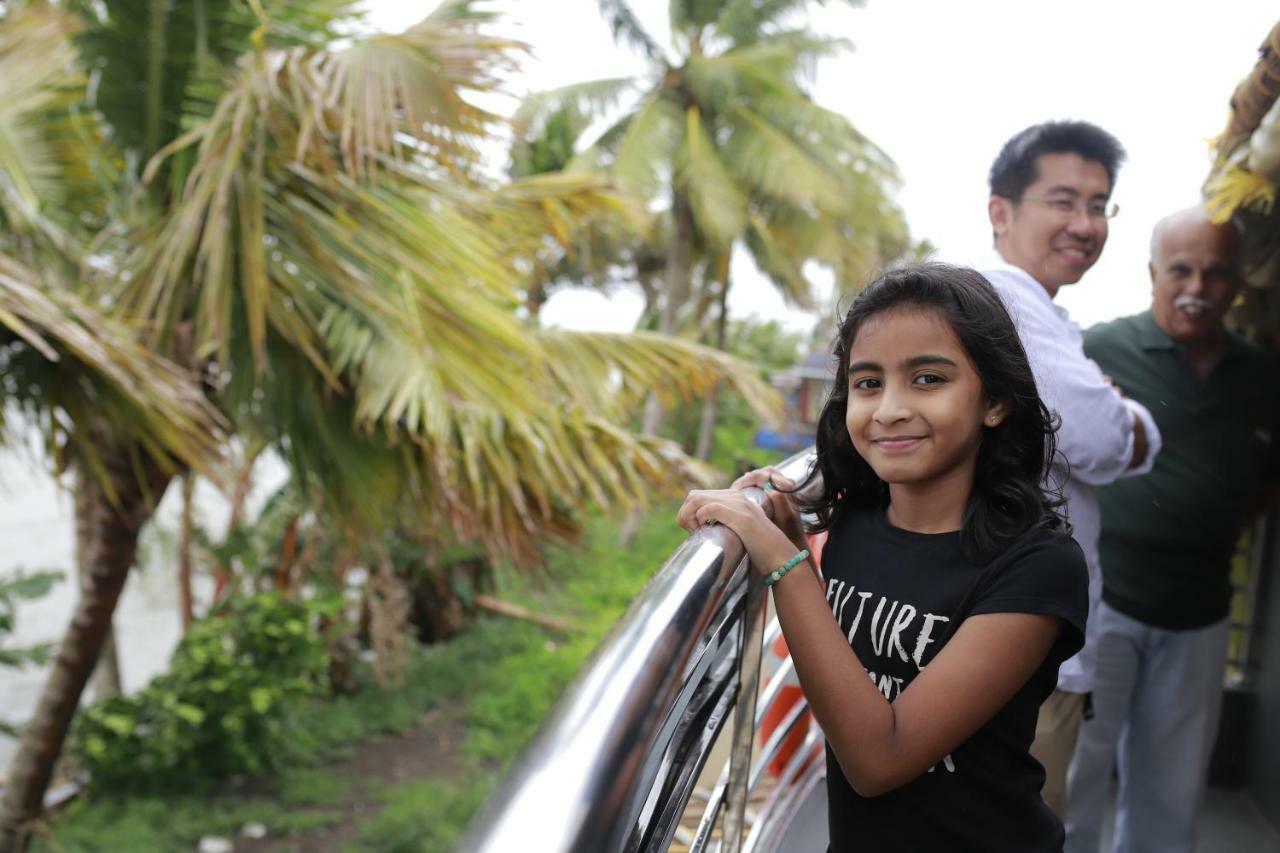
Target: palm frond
(415, 84)
(283, 180)
(719, 207)
(783, 59)
(161, 64)
(558, 204)
(827, 137)
(627, 29)
(594, 369)
(775, 166)
(648, 144)
(549, 126)
(749, 21)
(693, 14)
(39, 160)
(93, 369)
(591, 98)
(510, 479)
(498, 470)
(781, 259)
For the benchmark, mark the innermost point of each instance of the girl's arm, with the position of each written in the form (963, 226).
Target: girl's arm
(882, 745)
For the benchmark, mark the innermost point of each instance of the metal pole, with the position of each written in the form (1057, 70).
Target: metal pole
(744, 729)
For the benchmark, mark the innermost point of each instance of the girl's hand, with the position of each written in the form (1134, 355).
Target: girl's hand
(766, 544)
(785, 515)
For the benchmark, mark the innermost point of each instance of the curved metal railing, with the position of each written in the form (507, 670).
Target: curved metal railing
(616, 764)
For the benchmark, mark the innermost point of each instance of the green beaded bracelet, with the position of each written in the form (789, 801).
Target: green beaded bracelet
(776, 575)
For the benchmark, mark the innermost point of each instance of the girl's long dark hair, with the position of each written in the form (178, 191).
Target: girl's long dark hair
(1011, 495)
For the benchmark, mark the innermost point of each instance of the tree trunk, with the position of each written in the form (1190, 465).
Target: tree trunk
(438, 612)
(185, 603)
(239, 497)
(112, 541)
(535, 297)
(710, 406)
(106, 678)
(677, 290)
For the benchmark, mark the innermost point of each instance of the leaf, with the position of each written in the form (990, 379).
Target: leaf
(585, 364)
(591, 98)
(627, 29)
(140, 393)
(28, 586)
(261, 699)
(648, 145)
(43, 146)
(719, 208)
(117, 723)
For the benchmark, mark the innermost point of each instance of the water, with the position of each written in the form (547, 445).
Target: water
(37, 532)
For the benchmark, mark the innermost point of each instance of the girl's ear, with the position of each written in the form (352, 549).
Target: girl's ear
(996, 414)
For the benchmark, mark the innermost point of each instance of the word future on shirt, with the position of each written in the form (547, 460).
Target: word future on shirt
(896, 633)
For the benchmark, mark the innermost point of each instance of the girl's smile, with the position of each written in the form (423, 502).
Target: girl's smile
(898, 443)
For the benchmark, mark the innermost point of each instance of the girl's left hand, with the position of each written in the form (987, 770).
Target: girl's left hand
(766, 544)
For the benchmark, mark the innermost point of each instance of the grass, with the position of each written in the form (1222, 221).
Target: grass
(505, 674)
(144, 824)
(304, 787)
(427, 815)
(511, 694)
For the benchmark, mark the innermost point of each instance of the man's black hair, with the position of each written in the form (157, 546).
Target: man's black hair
(1015, 166)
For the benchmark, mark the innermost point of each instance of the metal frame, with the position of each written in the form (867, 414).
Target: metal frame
(616, 763)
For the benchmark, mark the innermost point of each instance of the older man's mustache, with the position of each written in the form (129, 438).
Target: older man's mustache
(1192, 304)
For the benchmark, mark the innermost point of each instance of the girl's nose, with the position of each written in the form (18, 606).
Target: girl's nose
(892, 409)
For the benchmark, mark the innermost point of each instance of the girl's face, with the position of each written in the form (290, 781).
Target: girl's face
(916, 409)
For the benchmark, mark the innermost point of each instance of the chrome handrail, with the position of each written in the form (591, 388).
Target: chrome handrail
(614, 764)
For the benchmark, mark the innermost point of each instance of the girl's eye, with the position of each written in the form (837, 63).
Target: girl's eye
(929, 379)
(866, 383)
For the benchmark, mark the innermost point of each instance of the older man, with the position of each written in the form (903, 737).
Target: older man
(1050, 209)
(1167, 541)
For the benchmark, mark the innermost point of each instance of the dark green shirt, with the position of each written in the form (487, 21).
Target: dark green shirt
(1168, 536)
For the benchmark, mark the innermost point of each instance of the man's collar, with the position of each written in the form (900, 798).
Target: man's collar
(1025, 279)
(1151, 337)
(1002, 263)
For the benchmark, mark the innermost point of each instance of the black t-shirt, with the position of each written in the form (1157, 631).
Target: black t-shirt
(899, 596)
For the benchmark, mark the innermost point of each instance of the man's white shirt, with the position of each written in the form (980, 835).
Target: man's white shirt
(1096, 431)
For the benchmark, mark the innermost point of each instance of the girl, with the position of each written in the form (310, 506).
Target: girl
(955, 588)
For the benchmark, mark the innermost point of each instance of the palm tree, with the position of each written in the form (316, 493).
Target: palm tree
(722, 131)
(299, 223)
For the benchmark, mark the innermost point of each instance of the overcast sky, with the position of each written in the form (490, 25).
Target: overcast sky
(940, 85)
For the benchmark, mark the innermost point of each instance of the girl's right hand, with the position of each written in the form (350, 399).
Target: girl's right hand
(784, 512)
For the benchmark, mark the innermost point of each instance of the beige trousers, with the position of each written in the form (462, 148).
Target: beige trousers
(1056, 730)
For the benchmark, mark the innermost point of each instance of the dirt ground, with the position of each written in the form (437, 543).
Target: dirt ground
(430, 750)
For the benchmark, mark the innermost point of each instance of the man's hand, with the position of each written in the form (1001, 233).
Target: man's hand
(1140, 445)
(1113, 384)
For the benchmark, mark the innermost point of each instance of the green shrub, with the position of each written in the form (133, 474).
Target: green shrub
(224, 706)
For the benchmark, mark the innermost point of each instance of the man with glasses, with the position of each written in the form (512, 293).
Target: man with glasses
(1049, 209)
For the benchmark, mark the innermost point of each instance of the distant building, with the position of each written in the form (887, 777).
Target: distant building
(805, 387)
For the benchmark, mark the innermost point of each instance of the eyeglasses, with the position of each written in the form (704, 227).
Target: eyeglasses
(1072, 205)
